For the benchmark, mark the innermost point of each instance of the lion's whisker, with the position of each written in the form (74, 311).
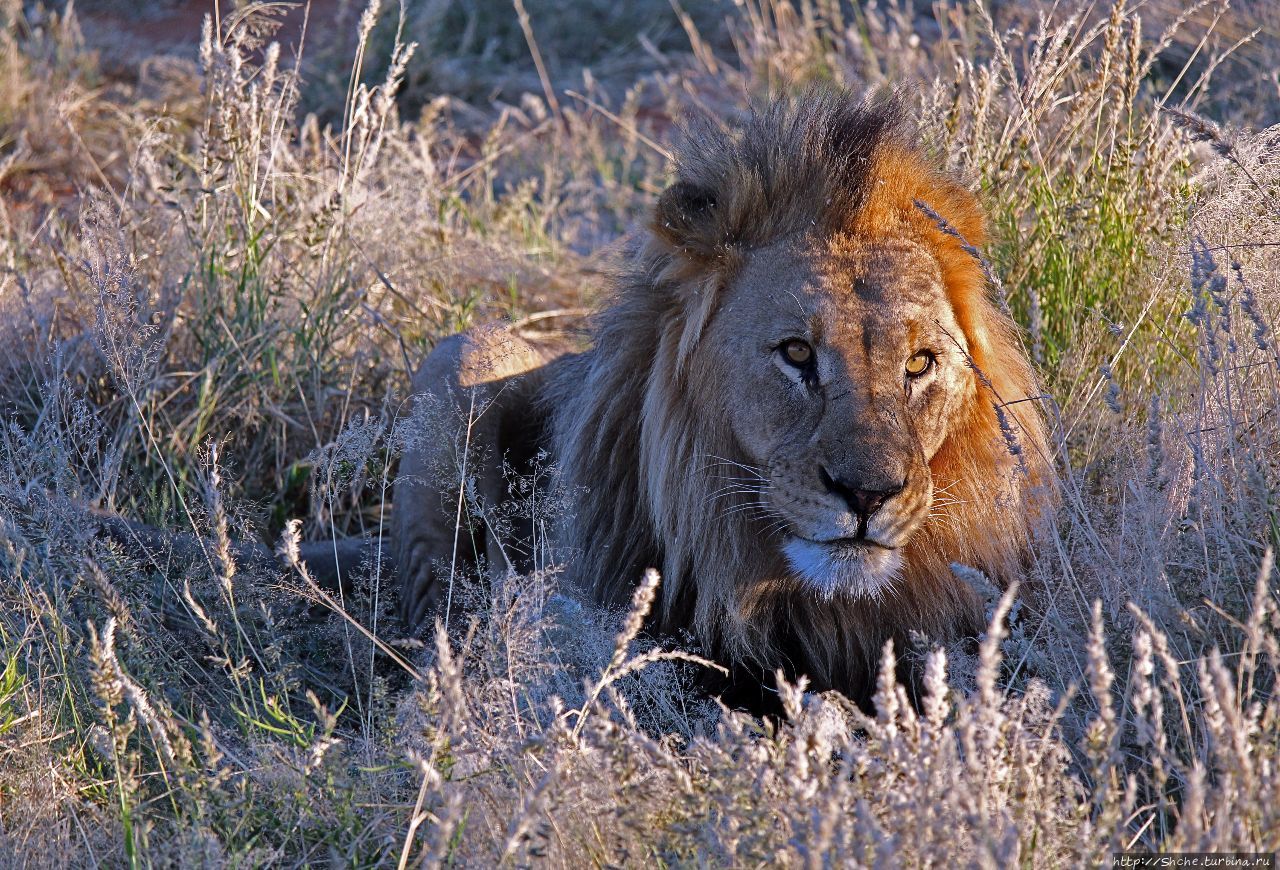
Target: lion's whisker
(947, 487)
(729, 491)
(775, 528)
(750, 469)
(742, 508)
(737, 489)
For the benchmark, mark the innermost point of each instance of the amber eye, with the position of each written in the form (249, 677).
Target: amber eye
(797, 352)
(920, 363)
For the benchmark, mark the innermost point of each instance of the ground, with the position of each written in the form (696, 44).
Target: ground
(225, 246)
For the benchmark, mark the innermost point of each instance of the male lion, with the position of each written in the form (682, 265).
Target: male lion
(798, 404)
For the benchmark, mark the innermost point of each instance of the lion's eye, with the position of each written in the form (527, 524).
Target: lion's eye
(920, 363)
(798, 353)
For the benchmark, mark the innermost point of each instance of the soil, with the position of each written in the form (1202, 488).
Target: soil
(126, 32)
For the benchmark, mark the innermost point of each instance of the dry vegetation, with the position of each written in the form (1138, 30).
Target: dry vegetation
(218, 267)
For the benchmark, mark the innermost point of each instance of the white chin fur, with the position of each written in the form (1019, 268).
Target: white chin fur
(864, 572)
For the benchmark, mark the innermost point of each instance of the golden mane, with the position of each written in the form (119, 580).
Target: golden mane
(631, 427)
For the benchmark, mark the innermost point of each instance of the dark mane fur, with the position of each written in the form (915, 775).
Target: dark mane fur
(793, 165)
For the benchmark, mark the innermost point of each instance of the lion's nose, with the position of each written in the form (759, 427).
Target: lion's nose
(861, 500)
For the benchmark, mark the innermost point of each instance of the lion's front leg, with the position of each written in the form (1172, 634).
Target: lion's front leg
(475, 404)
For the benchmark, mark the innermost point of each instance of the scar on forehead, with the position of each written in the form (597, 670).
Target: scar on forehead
(915, 290)
(897, 269)
(870, 288)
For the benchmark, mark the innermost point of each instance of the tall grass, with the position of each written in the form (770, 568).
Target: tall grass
(210, 300)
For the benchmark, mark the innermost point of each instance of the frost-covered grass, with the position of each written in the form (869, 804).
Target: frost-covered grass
(209, 303)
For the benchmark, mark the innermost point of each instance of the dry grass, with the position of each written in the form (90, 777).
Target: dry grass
(208, 304)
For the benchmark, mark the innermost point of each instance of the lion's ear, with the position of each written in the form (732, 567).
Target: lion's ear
(685, 216)
(963, 211)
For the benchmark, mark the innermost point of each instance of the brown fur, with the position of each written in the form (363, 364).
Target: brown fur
(812, 199)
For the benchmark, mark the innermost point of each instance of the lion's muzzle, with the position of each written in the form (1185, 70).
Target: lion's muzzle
(864, 498)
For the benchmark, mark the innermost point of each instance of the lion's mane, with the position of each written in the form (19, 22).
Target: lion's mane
(632, 428)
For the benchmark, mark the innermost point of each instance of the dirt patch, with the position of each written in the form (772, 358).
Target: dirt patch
(126, 33)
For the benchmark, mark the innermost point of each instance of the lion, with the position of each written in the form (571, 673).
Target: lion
(798, 402)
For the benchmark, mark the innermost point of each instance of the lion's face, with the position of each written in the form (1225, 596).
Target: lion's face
(841, 363)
